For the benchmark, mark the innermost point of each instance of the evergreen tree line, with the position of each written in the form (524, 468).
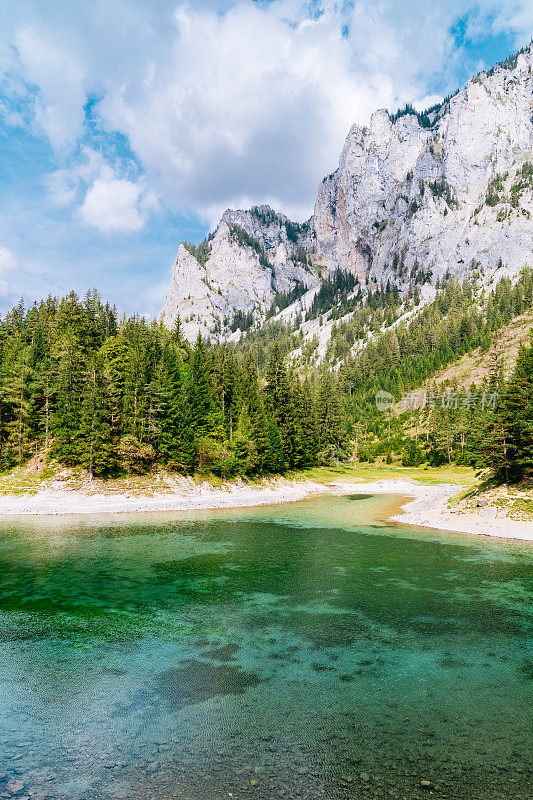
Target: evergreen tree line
(487, 427)
(450, 427)
(454, 324)
(114, 396)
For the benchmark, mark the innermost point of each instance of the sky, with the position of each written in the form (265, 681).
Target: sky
(127, 126)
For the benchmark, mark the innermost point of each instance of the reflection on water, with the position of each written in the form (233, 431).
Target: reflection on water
(311, 650)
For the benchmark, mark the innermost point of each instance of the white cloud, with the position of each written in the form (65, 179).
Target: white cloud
(228, 102)
(105, 199)
(111, 206)
(60, 77)
(8, 262)
(245, 107)
(65, 185)
(501, 16)
(428, 101)
(8, 259)
(62, 187)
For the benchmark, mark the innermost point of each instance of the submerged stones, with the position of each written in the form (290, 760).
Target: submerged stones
(197, 681)
(13, 786)
(224, 653)
(203, 710)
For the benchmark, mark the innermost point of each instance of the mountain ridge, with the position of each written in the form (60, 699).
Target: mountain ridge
(417, 197)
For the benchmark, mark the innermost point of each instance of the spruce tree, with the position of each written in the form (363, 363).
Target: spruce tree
(69, 378)
(176, 440)
(95, 450)
(517, 416)
(200, 390)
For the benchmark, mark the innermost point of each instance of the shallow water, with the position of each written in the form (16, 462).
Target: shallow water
(310, 650)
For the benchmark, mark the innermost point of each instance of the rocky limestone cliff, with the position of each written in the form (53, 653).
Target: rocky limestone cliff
(234, 276)
(408, 198)
(416, 197)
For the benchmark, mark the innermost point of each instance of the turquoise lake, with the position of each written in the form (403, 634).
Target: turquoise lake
(308, 650)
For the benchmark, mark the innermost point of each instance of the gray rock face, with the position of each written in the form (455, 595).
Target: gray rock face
(404, 193)
(251, 256)
(414, 198)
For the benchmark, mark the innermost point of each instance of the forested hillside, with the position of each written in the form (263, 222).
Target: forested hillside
(117, 396)
(468, 425)
(122, 395)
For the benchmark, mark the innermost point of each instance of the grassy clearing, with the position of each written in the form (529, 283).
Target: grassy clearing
(474, 367)
(515, 502)
(522, 508)
(25, 480)
(33, 477)
(378, 472)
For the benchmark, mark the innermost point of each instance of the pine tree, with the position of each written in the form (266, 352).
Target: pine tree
(517, 416)
(176, 441)
(200, 390)
(307, 429)
(280, 405)
(17, 380)
(95, 450)
(115, 365)
(331, 420)
(274, 460)
(70, 373)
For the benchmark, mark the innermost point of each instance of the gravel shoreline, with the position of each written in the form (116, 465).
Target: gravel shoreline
(428, 508)
(425, 506)
(187, 497)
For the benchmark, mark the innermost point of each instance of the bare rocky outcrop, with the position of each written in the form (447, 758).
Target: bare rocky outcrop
(251, 256)
(416, 197)
(407, 198)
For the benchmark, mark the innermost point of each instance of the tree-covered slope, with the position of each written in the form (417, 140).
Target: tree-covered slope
(123, 396)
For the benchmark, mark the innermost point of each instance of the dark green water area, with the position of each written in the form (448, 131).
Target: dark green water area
(310, 650)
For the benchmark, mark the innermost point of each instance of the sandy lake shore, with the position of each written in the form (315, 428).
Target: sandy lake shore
(186, 496)
(429, 509)
(428, 506)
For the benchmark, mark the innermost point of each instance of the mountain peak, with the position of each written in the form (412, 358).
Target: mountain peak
(417, 197)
